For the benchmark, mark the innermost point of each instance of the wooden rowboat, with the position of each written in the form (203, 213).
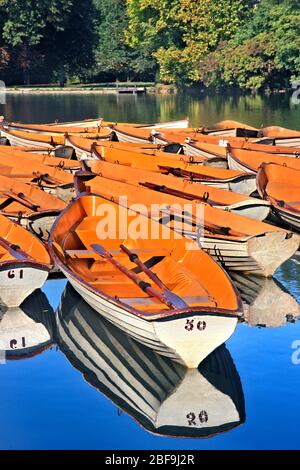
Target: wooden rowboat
(110, 152)
(90, 126)
(85, 123)
(24, 263)
(52, 180)
(220, 198)
(250, 161)
(13, 153)
(239, 182)
(59, 131)
(266, 304)
(28, 205)
(27, 331)
(280, 185)
(281, 136)
(84, 147)
(237, 243)
(209, 150)
(257, 146)
(229, 128)
(21, 138)
(187, 308)
(158, 393)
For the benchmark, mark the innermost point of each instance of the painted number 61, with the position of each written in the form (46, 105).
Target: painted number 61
(12, 274)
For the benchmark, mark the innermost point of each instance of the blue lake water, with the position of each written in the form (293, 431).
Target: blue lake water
(56, 400)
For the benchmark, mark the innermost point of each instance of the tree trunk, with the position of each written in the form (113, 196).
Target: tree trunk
(26, 64)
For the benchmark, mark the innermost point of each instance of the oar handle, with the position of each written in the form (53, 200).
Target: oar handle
(135, 259)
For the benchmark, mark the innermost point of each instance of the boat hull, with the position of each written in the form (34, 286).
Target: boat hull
(260, 255)
(19, 142)
(288, 217)
(188, 339)
(19, 280)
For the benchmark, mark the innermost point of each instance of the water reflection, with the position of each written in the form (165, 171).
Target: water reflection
(266, 302)
(202, 109)
(161, 395)
(28, 330)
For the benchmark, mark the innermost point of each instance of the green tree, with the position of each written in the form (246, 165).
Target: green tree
(69, 49)
(113, 56)
(264, 54)
(26, 23)
(180, 33)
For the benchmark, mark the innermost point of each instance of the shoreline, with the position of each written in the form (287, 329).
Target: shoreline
(108, 91)
(120, 90)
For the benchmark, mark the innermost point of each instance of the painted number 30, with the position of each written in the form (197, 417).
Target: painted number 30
(191, 325)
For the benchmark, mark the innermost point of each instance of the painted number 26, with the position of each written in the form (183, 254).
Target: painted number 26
(191, 325)
(193, 418)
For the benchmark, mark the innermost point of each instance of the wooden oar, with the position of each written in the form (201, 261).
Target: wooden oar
(17, 252)
(22, 199)
(186, 173)
(170, 296)
(141, 284)
(174, 192)
(210, 227)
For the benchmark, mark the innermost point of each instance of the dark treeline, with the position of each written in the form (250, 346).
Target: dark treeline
(233, 43)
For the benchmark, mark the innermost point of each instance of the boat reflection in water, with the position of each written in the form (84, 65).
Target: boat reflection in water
(266, 303)
(160, 394)
(27, 331)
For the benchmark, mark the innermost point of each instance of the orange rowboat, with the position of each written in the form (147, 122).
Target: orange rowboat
(238, 243)
(250, 161)
(24, 263)
(126, 134)
(111, 147)
(202, 148)
(13, 153)
(48, 140)
(85, 123)
(280, 185)
(176, 301)
(236, 181)
(229, 128)
(21, 138)
(29, 206)
(220, 198)
(56, 131)
(281, 135)
(62, 151)
(84, 147)
(255, 146)
(52, 180)
(81, 126)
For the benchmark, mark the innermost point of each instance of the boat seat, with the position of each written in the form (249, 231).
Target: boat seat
(204, 299)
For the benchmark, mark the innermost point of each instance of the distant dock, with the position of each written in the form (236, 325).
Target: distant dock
(133, 90)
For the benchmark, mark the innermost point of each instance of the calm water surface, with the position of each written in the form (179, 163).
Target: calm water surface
(56, 400)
